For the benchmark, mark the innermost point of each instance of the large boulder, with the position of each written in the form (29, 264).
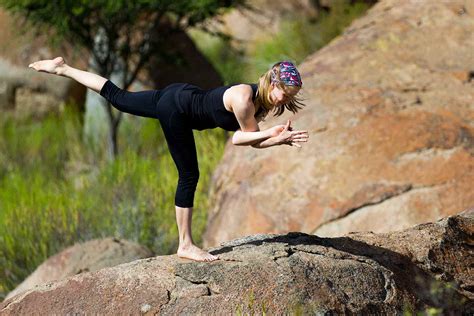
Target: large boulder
(426, 267)
(24, 90)
(92, 255)
(390, 117)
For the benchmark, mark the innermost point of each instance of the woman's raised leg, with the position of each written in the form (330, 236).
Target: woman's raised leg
(58, 66)
(141, 103)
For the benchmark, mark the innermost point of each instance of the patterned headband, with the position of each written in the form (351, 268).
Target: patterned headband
(289, 75)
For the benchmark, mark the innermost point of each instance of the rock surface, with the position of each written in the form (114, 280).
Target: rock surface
(91, 256)
(24, 90)
(428, 266)
(390, 114)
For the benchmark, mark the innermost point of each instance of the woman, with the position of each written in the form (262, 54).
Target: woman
(182, 107)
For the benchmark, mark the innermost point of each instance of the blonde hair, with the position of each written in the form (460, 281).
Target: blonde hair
(263, 104)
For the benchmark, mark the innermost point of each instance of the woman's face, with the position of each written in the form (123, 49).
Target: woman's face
(278, 96)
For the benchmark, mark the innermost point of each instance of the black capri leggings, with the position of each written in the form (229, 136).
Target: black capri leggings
(161, 105)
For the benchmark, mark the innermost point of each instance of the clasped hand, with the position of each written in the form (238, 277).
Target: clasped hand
(285, 135)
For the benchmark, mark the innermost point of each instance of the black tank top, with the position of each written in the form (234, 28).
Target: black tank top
(205, 108)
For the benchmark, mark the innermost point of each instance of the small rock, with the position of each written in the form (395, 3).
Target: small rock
(145, 308)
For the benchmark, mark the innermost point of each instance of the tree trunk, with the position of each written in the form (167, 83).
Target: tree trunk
(101, 123)
(112, 139)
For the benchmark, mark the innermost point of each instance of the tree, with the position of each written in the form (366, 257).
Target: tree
(121, 35)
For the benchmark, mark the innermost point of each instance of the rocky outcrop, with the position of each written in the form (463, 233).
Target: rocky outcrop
(24, 91)
(390, 117)
(91, 256)
(428, 266)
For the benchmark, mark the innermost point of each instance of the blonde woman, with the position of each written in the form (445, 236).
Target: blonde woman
(182, 107)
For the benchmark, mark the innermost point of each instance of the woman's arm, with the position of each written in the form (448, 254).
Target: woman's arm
(284, 136)
(240, 98)
(249, 138)
(252, 138)
(244, 109)
(272, 141)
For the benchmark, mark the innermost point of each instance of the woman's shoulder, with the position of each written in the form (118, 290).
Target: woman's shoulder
(244, 91)
(239, 94)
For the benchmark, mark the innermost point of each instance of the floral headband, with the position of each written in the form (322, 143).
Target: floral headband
(289, 75)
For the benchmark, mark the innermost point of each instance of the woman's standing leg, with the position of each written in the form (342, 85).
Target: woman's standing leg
(180, 139)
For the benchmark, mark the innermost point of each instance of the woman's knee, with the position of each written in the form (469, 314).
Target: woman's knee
(186, 189)
(141, 103)
(189, 177)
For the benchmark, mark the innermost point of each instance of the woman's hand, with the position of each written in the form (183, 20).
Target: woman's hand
(277, 129)
(289, 137)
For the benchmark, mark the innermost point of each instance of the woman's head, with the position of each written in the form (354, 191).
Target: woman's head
(278, 89)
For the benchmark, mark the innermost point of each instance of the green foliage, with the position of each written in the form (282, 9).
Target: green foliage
(116, 31)
(53, 193)
(81, 20)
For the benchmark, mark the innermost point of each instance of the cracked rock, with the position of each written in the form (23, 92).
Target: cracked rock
(427, 266)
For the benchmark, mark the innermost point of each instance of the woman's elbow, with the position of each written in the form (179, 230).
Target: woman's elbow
(237, 142)
(235, 139)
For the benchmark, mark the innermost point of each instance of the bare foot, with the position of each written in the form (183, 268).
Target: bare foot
(53, 66)
(194, 253)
